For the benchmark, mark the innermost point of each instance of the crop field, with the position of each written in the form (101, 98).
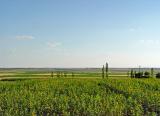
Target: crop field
(42, 93)
(80, 96)
(46, 73)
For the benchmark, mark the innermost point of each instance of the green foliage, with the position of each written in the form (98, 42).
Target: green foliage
(158, 75)
(132, 73)
(73, 75)
(107, 69)
(152, 72)
(70, 97)
(146, 74)
(58, 74)
(139, 75)
(52, 74)
(65, 74)
(142, 75)
(103, 71)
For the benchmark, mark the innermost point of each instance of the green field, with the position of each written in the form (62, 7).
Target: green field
(46, 73)
(84, 94)
(80, 97)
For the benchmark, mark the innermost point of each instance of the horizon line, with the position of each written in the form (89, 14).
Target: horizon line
(67, 67)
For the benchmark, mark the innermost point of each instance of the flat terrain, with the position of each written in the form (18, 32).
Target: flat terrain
(80, 96)
(85, 93)
(67, 73)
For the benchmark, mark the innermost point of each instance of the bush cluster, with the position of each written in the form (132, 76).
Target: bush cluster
(140, 74)
(158, 75)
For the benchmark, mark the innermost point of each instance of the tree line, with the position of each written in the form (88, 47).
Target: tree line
(62, 74)
(142, 74)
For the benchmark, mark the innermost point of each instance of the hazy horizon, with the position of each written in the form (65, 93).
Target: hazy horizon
(82, 33)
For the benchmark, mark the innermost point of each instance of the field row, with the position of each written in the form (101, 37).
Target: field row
(80, 97)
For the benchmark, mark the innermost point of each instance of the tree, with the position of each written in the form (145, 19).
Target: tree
(106, 70)
(132, 73)
(61, 74)
(128, 73)
(52, 74)
(103, 71)
(139, 75)
(72, 74)
(65, 74)
(146, 74)
(158, 75)
(58, 74)
(152, 72)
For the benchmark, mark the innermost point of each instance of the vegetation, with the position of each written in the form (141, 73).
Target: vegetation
(132, 73)
(80, 93)
(107, 69)
(147, 75)
(141, 74)
(103, 72)
(152, 72)
(158, 75)
(79, 96)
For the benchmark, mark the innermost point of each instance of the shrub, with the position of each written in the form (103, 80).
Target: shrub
(146, 75)
(158, 75)
(132, 74)
(139, 75)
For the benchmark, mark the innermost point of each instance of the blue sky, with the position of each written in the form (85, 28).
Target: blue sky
(79, 33)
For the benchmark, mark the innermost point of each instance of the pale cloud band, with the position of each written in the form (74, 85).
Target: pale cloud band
(53, 44)
(150, 42)
(24, 37)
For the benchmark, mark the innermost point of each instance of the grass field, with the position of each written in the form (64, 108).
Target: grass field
(90, 95)
(46, 73)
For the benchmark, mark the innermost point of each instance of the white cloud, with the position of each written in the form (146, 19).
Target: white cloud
(150, 42)
(53, 44)
(24, 37)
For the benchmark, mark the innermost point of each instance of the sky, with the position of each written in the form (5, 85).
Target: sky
(79, 33)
